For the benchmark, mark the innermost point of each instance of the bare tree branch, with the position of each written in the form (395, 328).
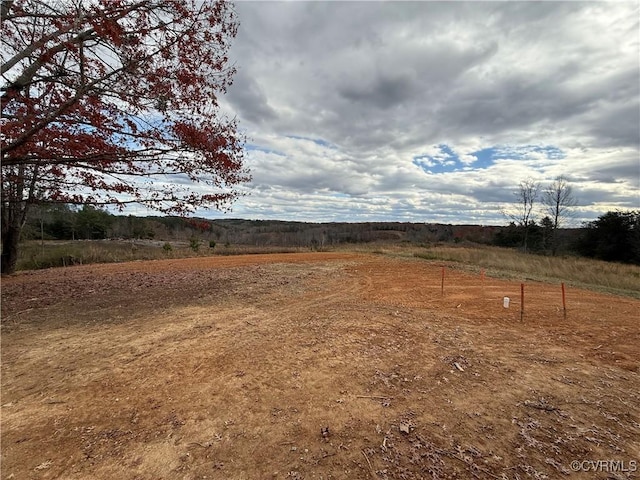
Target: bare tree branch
(558, 200)
(522, 212)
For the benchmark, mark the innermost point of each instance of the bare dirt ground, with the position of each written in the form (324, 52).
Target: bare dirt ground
(313, 366)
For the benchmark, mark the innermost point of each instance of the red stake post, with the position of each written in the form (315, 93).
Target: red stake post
(521, 301)
(564, 301)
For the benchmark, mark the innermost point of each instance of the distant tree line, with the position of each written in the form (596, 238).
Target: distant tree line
(67, 222)
(539, 237)
(64, 222)
(614, 236)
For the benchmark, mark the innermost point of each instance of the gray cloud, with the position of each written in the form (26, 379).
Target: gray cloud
(249, 99)
(379, 83)
(384, 92)
(617, 125)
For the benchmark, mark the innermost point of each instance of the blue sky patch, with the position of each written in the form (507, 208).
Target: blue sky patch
(445, 161)
(257, 148)
(317, 141)
(448, 161)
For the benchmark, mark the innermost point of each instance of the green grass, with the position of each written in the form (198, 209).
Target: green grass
(594, 274)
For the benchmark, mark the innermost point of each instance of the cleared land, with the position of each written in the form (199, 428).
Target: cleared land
(319, 365)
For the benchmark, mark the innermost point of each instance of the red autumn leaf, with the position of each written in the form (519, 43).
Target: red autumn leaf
(115, 102)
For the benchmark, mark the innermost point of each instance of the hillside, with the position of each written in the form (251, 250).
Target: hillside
(64, 224)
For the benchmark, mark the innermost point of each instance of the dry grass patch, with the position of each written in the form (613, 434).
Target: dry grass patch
(36, 255)
(613, 277)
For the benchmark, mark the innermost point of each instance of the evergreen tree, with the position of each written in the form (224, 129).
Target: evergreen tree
(614, 237)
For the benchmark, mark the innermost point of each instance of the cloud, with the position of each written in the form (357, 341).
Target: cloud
(434, 110)
(249, 99)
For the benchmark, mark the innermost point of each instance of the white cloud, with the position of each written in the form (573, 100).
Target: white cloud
(340, 98)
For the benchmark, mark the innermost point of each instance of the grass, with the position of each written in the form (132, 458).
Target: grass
(36, 255)
(498, 262)
(594, 274)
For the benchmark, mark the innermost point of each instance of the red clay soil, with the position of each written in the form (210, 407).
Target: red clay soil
(313, 366)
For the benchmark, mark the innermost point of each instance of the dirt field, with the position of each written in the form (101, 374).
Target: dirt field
(313, 366)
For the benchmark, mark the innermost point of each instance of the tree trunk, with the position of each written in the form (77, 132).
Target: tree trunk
(556, 224)
(10, 239)
(554, 242)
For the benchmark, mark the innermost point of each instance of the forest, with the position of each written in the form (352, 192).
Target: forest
(614, 236)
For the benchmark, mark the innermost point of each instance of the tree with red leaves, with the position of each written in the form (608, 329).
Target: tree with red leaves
(110, 102)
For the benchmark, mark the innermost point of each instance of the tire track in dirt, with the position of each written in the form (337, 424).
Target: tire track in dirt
(240, 384)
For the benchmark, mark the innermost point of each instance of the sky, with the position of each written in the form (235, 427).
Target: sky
(434, 111)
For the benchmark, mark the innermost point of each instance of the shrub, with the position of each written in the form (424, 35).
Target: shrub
(212, 244)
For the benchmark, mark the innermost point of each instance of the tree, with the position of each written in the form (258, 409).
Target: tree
(521, 213)
(57, 221)
(614, 237)
(92, 223)
(509, 236)
(546, 228)
(111, 102)
(63, 226)
(558, 200)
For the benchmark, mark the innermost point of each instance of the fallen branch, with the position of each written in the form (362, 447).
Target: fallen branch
(371, 470)
(324, 455)
(540, 406)
(467, 462)
(203, 445)
(377, 397)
